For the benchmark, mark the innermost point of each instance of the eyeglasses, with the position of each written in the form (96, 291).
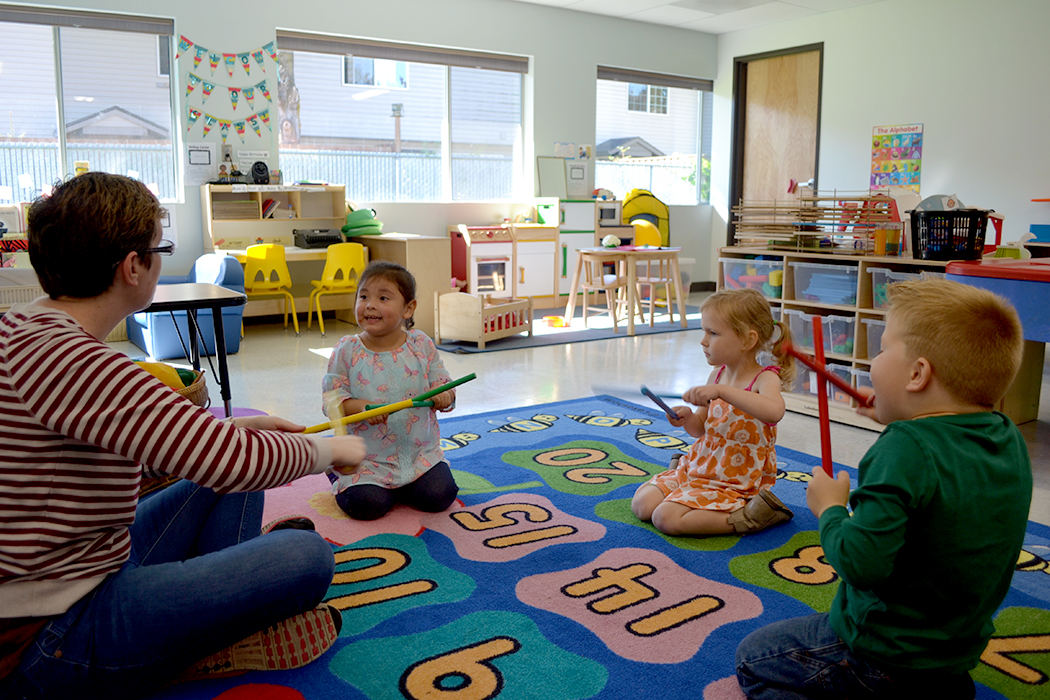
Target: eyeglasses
(166, 247)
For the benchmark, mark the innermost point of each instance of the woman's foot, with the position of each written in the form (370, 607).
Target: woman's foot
(762, 511)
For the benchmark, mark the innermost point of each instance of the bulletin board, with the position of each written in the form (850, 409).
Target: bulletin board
(896, 156)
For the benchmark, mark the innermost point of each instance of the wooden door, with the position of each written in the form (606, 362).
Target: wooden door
(776, 124)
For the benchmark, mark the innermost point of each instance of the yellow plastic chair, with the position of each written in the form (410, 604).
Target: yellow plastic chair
(342, 270)
(263, 262)
(653, 273)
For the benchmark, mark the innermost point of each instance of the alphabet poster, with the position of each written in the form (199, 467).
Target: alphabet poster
(896, 156)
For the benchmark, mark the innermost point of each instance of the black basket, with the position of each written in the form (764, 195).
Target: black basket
(948, 235)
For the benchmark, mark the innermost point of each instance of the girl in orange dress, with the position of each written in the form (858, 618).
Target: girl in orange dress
(721, 486)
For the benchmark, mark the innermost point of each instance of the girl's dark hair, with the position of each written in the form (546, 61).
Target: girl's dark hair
(406, 283)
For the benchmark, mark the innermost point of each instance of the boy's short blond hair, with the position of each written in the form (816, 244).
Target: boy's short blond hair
(972, 337)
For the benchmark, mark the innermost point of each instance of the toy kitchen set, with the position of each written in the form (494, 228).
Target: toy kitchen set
(508, 260)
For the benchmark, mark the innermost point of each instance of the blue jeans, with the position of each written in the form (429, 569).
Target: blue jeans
(199, 579)
(804, 658)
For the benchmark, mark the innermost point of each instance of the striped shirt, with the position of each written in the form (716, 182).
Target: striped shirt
(78, 424)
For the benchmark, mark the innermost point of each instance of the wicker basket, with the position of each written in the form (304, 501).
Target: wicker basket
(197, 392)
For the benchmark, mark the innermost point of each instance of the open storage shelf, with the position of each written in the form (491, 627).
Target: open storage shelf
(844, 291)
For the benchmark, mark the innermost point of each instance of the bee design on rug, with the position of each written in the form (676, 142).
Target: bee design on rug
(659, 440)
(1027, 561)
(792, 475)
(454, 442)
(601, 420)
(531, 425)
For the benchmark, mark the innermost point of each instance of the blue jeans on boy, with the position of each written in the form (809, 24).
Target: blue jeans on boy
(199, 579)
(803, 657)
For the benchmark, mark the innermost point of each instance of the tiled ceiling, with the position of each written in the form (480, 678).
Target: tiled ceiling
(710, 16)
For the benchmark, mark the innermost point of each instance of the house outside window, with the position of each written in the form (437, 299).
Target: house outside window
(117, 115)
(653, 137)
(404, 124)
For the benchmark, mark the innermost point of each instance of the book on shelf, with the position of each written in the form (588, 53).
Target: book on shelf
(269, 207)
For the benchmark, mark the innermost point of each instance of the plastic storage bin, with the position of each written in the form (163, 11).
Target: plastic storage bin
(874, 331)
(828, 284)
(837, 331)
(767, 276)
(861, 378)
(806, 382)
(881, 277)
(948, 235)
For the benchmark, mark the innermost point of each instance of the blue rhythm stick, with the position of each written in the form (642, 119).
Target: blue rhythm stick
(660, 402)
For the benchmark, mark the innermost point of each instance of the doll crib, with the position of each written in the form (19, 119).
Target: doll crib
(479, 319)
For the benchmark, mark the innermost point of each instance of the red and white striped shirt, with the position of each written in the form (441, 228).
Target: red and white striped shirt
(78, 422)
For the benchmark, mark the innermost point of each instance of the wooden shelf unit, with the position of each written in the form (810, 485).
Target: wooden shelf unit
(300, 206)
(863, 306)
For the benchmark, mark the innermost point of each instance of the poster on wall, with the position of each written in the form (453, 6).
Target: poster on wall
(896, 156)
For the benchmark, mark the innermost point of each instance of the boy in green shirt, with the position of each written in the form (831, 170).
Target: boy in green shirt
(939, 514)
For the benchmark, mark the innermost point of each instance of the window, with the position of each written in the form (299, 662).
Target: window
(116, 114)
(646, 98)
(349, 113)
(358, 70)
(654, 133)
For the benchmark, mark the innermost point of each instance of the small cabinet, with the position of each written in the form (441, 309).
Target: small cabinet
(237, 216)
(568, 246)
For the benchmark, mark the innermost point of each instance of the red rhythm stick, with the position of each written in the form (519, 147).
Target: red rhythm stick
(822, 397)
(833, 378)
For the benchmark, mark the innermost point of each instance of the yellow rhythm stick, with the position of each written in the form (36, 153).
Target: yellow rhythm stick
(390, 407)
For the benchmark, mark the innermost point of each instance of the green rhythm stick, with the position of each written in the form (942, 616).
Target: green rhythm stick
(391, 407)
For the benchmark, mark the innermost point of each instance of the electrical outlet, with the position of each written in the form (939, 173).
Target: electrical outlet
(227, 152)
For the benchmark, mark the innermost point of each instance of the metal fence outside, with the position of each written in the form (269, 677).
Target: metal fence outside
(153, 163)
(668, 182)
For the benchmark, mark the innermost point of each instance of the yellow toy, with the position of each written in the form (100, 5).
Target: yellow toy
(166, 373)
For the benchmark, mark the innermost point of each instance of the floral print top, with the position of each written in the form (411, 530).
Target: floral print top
(403, 448)
(728, 466)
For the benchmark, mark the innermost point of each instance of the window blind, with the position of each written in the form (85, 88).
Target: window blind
(87, 20)
(626, 75)
(413, 53)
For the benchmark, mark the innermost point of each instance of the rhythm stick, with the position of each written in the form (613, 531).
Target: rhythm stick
(660, 402)
(822, 397)
(390, 407)
(831, 377)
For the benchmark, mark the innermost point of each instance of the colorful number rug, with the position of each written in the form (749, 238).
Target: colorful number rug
(541, 584)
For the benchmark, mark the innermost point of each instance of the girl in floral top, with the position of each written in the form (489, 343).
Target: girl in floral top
(721, 486)
(385, 363)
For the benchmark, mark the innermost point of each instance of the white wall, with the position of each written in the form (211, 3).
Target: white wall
(566, 47)
(973, 72)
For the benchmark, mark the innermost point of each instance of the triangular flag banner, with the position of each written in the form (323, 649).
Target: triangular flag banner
(184, 45)
(208, 121)
(224, 129)
(192, 83)
(239, 126)
(198, 55)
(261, 87)
(249, 94)
(229, 58)
(271, 49)
(265, 116)
(208, 87)
(213, 61)
(235, 94)
(243, 58)
(257, 55)
(255, 125)
(194, 116)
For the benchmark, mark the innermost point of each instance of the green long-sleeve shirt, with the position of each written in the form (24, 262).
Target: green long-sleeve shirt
(939, 517)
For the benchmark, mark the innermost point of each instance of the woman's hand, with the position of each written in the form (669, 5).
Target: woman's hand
(347, 452)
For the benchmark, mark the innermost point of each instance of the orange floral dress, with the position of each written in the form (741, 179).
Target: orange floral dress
(728, 466)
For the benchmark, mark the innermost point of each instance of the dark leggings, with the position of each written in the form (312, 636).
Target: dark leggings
(431, 493)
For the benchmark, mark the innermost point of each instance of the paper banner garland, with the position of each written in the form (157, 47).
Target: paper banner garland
(249, 94)
(235, 94)
(229, 58)
(265, 116)
(191, 83)
(213, 61)
(184, 45)
(257, 55)
(271, 49)
(224, 129)
(239, 126)
(255, 125)
(208, 121)
(261, 87)
(198, 55)
(243, 58)
(206, 91)
(194, 116)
